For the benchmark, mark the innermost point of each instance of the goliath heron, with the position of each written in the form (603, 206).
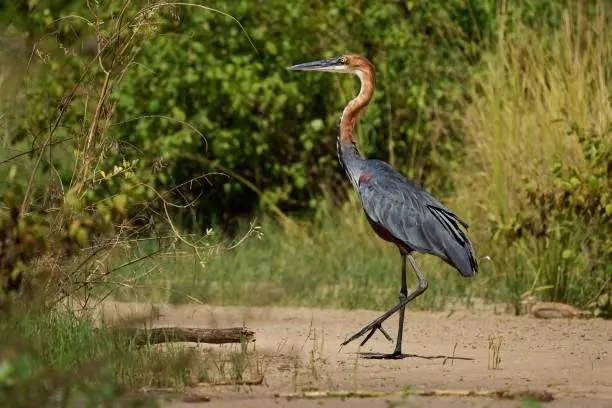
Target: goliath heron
(398, 210)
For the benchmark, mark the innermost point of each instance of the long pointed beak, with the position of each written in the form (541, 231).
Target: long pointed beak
(326, 65)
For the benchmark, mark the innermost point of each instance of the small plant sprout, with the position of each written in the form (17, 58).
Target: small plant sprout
(495, 359)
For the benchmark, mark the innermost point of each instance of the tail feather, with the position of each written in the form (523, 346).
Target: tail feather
(460, 252)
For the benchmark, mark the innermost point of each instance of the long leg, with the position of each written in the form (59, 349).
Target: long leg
(400, 330)
(376, 324)
(403, 295)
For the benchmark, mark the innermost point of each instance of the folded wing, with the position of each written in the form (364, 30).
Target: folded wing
(414, 217)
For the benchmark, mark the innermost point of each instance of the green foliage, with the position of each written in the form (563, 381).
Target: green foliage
(530, 403)
(66, 359)
(36, 15)
(179, 95)
(63, 194)
(577, 197)
(199, 98)
(51, 358)
(335, 262)
(26, 238)
(538, 159)
(21, 239)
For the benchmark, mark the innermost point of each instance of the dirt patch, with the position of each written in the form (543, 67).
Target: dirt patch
(299, 350)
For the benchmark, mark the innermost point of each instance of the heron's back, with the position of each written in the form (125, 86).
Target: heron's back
(407, 215)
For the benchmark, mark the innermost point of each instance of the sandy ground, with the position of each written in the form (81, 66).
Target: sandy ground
(299, 350)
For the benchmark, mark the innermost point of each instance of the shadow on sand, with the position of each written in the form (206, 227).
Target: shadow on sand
(382, 356)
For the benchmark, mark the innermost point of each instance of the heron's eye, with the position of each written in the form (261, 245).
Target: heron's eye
(342, 60)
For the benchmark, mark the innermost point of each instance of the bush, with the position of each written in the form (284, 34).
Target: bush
(200, 99)
(521, 91)
(536, 178)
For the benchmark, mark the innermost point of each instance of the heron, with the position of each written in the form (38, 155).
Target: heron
(397, 209)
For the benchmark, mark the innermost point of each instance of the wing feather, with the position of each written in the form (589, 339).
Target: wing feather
(414, 217)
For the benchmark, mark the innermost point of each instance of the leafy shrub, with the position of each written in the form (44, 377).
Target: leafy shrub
(536, 177)
(576, 211)
(200, 99)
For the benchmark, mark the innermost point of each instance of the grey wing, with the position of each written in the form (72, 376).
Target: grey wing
(414, 217)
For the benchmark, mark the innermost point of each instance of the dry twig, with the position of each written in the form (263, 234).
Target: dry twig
(539, 395)
(256, 381)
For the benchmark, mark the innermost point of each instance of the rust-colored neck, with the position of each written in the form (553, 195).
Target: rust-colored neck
(352, 110)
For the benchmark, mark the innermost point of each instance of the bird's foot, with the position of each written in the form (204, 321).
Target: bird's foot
(372, 327)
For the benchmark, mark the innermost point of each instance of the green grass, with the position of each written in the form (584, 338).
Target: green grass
(520, 127)
(525, 104)
(58, 358)
(530, 403)
(528, 94)
(335, 262)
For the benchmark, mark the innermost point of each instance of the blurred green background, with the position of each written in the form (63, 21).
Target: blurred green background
(161, 152)
(135, 114)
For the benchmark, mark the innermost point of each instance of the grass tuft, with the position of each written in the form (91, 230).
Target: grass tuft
(529, 110)
(334, 262)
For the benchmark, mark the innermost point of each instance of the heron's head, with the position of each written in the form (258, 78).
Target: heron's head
(349, 64)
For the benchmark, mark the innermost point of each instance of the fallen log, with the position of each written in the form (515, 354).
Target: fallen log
(159, 335)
